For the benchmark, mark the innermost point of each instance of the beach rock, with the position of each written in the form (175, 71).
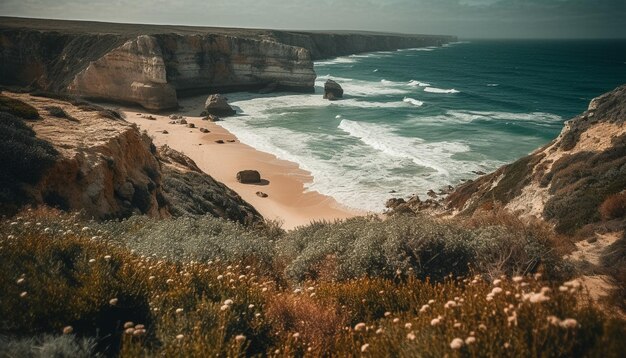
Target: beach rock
(191, 125)
(209, 117)
(183, 121)
(173, 122)
(204, 130)
(432, 193)
(394, 203)
(332, 90)
(231, 141)
(217, 104)
(269, 88)
(165, 132)
(249, 177)
(261, 194)
(219, 141)
(151, 118)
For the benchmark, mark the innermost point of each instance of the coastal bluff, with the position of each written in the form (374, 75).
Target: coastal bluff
(154, 65)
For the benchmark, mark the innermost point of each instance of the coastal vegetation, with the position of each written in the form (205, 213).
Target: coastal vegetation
(205, 286)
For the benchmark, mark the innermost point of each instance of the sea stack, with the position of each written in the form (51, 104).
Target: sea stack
(332, 90)
(217, 105)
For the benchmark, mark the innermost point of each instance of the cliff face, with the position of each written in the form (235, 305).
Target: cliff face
(107, 168)
(152, 65)
(577, 179)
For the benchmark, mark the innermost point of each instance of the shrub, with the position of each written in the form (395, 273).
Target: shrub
(65, 346)
(614, 207)
(59, 112)
(23, 160)
(18, 108)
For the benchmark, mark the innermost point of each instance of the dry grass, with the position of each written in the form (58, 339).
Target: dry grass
(614, 207)
(60, 271)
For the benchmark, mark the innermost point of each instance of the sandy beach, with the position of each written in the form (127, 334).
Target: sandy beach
(284, 182)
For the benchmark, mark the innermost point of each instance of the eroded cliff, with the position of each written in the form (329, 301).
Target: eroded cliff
(576, 180)
(98, 163)
(153, 65)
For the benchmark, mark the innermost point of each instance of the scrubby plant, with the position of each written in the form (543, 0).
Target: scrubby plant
(63, 276)
(23, 160)
(18, 108)
(614, 207)
(59, 112)
(62, 346)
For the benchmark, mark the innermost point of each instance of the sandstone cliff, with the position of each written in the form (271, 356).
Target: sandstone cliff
(153, 65)
(576, 180)
(106, 167)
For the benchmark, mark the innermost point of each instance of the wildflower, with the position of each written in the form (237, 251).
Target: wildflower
(107, 257)
(241, 277)
(396, 320)
(359, 327)
(545, 290)
(180, 337)
(410, 336)
(264, 289)
(92, 261)
(257, 315)
(387, 314)
(364, 347)
(518, 279)
(496, 290)
(497, 281)
(129, 324)
(563, 289)
(129, 330)
(179, 310)
(424, 308)
(379, 331)
(450, 304)
(232, 280)
(23, 294)
(470, 340)
(151, 278)
(435, 322)
(456, 343)
(489, 297)
(224, 307)
(297, 290)
(228, 302)
(113, 301)
(574, 284)
(46, 230)
(312, 294)
(408, 325)
(20, 281)
(240, 338)
(139, 332)
(430, 302)
(507, 345)
(68, 329)
(219, 277)
(457, 325)
(250, 306)
(482, 327)
(568, 323)
(553, 320)
(296, 335)
(85, 229)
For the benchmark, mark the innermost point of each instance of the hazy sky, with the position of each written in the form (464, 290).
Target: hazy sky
(465, 18)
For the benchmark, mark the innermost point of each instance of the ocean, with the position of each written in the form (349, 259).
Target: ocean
(420, 119)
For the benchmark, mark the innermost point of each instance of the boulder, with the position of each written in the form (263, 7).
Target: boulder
(217, 104)
(249, 177)
(394, 203)
(261, 194)
(332, 90)
(219, 141)
(210, 117)
(191, 125)
(183, 121)
(204, 130)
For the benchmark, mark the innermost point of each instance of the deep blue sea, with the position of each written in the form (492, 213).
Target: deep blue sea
(420, 119)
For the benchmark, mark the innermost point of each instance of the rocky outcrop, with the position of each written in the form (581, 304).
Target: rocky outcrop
(570, 181)
(249, 177)
(153, 65)
(217, 105)
(332, 90)
(104, 166)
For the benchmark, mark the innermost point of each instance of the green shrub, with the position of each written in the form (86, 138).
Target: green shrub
(23, 160)
(45, 346)
(18, 108)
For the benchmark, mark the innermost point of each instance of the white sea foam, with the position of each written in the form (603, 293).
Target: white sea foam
(361, 88)
(439, 90)
(382, 138)
(539, 118)
(414, 83)
(413, 101)
(336, 61)
(492, 85)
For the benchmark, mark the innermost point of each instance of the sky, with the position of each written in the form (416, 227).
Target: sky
(464, 18)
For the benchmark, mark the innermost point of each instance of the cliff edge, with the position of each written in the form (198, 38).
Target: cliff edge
(153, 65)
(576, 180)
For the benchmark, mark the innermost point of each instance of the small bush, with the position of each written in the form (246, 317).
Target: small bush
(18, 108)
(66, 346)
(23, 160)
(59, 112)
(614, 207)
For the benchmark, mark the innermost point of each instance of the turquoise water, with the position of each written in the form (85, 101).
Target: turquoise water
(420, 119)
